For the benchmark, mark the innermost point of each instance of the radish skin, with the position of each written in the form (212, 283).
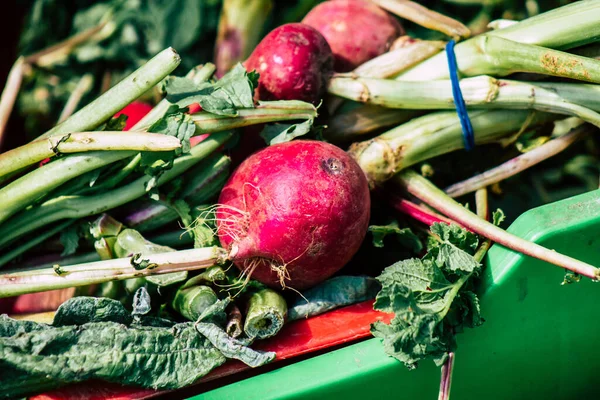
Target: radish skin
(356, 30)
(294, 213)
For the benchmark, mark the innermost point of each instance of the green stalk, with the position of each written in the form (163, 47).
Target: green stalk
(587, 95)
(351, 125)
(424, 190)
(120, 95)
(395, 61)
(517, 164)
(193, 301)
(27, 189)
(38, 150)
(266, 111)
(10, 93)
(204, 182)
(433, 135)
(23, 247)
(234, 326)
(562, 28)
(266, 314)
(69, 207)
(60, 277)
(241, 25)
(478, 92)
(423, 16)
(198, 75)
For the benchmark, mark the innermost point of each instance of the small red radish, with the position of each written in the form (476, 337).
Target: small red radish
(135, 112)
(356, 30)
(294, 213)
(294, 62)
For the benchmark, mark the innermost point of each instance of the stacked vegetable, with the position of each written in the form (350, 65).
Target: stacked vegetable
(291, 215)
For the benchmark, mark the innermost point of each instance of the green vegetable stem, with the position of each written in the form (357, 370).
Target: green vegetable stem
(59, 277)
(562, 28)
(38, 150)
(192, 301)
(267, 311)
(436, 134)
(82, 206)
(240, 27)
(120, 95)
(424, 190)
(478, 92)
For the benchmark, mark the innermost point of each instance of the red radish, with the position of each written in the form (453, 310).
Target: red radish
(294, 213)
(294, 62)
(356, 30)
(135, 112)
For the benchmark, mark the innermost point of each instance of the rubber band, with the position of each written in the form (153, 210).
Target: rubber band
(459, 101)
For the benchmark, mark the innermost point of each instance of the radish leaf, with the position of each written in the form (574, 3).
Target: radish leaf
(429, 299)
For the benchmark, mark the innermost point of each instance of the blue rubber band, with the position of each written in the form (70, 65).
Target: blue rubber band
(459, 101)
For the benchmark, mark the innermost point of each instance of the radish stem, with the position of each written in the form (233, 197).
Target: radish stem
(423, 16)
(395, 61)
(517, 164)
(54, 53)
(433, 135)
(360, 121)
(417, 212)
(266, 111)
(489, 55)
(83, 206)
(562, 28)
(33, 281)
(83, 86)
(120, 95)
(421, 188)
(446, 378)
(478, 92)
(9, 94)
(38, 150)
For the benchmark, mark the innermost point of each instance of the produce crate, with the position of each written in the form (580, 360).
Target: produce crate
(538, 341)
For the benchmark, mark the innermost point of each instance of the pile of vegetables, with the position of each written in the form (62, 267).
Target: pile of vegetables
(187, 215)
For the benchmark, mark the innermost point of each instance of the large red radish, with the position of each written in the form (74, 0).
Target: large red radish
(356, 30)
(294, 213)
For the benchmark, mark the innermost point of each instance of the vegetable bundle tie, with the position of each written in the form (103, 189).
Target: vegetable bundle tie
(459, 101)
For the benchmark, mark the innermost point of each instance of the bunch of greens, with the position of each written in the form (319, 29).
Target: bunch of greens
(98, 338)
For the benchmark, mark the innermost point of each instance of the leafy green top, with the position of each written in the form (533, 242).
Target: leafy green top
(429, 298)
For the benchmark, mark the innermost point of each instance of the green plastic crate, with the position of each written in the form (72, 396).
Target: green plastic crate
(539, 341)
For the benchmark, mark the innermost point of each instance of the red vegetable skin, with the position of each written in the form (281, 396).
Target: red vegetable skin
(356, 30)
(294, 213)
(294, 62)
(135, 112)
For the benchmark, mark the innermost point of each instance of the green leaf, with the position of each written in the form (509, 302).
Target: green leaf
(233, 348)
(498, 217)
(69, 238)
(428, 299)
(405, 236)
(82, 310)
(151, 357)
(333, 293)
(281, 133)
(233, 91)
(409, 281)
(454, 248)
